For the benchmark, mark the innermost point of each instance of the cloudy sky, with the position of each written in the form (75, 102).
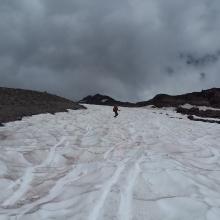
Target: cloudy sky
(128, 49)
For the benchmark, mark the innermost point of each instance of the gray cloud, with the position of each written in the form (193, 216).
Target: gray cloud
(207, 59)
(129, 49)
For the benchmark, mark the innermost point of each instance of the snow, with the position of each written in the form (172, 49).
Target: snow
(201, 108)
(211, 119)
(87, 164)
(104, 100)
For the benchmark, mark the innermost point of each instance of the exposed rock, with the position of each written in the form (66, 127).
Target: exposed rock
(104, 100)
(17, 103)
(203, 120)
(190, 117)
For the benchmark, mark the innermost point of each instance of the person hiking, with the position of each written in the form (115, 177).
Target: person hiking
(115, 110)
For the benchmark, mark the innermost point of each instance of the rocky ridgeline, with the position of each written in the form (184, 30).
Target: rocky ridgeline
(209, 98)
(104, 100)
(17, 103)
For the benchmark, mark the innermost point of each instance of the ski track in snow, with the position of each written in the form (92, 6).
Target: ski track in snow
(104, 193)
(28, 175)
(88, 165)
(125, 208)
(25, 182)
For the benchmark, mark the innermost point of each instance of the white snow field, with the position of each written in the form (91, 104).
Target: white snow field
(88, 165)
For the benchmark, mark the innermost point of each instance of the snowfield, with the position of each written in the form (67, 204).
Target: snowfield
(87, 165)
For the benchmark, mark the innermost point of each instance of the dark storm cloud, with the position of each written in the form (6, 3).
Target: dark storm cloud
(202, 76)
(204, 60)
(129, 49)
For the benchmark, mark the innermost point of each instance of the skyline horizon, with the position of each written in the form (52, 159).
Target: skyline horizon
(108, 95)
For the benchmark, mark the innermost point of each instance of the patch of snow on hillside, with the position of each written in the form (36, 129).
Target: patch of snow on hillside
(211, 119)
(201, 108)
(104, 100)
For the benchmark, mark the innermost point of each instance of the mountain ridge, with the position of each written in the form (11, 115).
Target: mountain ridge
(209, 97)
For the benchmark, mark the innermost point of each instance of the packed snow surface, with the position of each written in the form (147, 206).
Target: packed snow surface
(147, 164)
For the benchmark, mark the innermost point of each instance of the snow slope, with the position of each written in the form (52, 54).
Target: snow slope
(88, 165)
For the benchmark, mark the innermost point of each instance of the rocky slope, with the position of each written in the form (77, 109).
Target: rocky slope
(17, 103)
(210, 98)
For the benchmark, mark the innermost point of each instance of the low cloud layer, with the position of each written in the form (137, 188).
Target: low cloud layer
(129, 49)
